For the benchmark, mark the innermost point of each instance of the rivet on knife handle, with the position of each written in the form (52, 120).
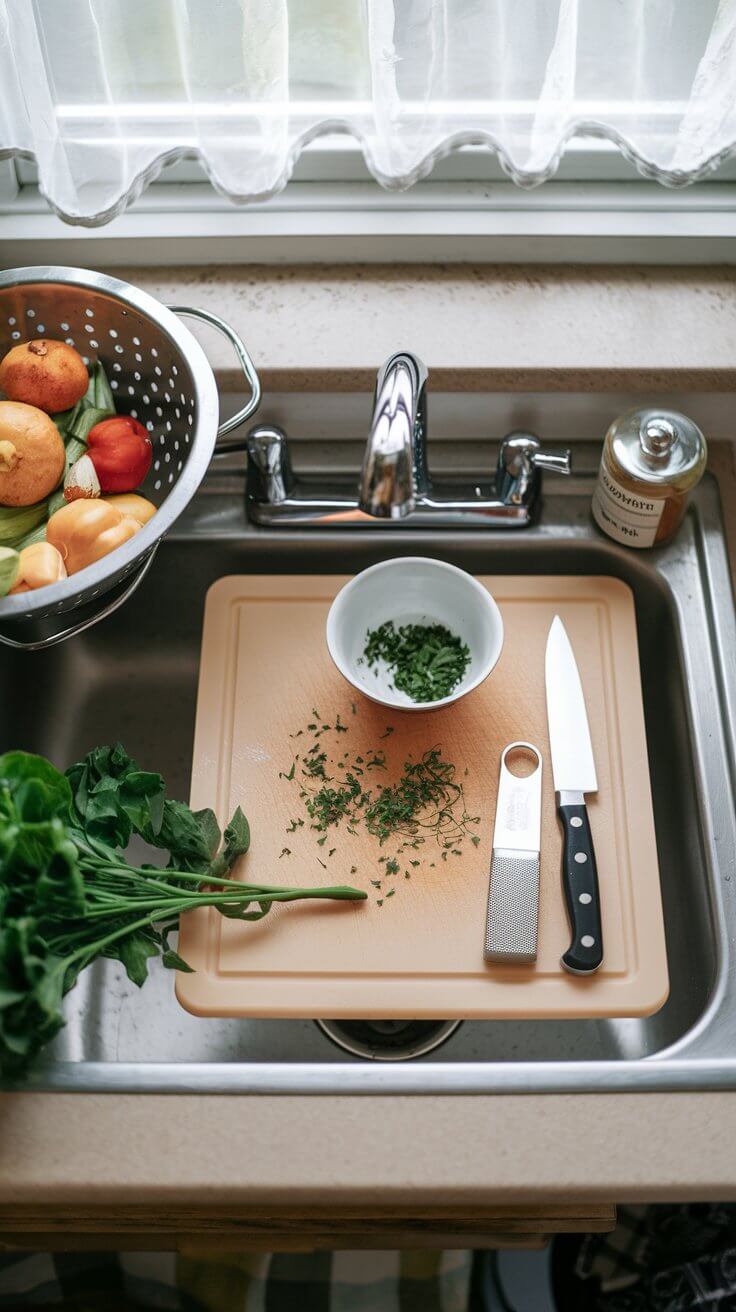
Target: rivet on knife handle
(513, 898)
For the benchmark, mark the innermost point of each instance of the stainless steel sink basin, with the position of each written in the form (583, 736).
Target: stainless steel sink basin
(135, 676)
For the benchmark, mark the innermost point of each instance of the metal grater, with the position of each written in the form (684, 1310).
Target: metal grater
(513, 898)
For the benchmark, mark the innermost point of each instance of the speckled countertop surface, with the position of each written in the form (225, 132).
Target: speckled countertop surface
(477, 327)
(148, 1150)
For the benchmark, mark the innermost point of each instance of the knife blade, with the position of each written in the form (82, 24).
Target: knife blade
(573, 772)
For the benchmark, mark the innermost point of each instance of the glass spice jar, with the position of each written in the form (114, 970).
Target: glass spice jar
(651, 461)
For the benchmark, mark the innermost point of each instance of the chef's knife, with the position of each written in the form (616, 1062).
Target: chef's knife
(573, 771)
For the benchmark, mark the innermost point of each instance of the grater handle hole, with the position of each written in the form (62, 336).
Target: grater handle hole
(521, 760)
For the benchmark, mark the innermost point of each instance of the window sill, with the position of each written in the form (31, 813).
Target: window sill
(561, 222)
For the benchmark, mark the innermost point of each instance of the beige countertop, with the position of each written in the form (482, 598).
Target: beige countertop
(476, 326)
(218, 1150)
(479, 327)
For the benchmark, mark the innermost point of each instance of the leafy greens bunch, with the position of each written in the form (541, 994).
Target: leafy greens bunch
(68, 895)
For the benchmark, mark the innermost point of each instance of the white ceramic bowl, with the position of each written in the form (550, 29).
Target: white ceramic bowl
(413, 590)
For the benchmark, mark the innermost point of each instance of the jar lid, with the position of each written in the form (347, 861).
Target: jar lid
(657, 445)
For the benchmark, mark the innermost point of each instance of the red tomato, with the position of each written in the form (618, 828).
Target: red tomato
(120, 450)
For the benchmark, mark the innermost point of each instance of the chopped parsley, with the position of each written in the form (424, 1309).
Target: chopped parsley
(425, 803)
(427, 661)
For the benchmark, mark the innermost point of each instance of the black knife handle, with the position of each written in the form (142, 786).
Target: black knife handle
(580, 881)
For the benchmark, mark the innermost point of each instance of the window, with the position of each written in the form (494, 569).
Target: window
(388, 117)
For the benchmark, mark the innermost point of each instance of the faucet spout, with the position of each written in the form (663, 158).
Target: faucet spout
(394, 469)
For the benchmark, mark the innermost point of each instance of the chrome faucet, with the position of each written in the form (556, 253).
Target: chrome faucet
(394, 472)
(395, 488)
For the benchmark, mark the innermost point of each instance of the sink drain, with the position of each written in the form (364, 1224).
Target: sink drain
(388, 1040)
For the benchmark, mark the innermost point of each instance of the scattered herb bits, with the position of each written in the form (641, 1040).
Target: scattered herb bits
(427, 660)
(426, 803)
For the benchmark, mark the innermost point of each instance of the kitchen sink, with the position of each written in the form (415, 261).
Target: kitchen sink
(135, 678)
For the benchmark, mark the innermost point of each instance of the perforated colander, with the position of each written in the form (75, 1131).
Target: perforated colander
(160, 375)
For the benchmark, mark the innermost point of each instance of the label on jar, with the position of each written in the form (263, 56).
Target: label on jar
(628, 517)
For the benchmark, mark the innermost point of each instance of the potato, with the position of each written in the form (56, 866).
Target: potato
(45, 373)
(32, 454)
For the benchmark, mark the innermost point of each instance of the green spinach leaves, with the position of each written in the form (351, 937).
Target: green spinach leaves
(69, 894)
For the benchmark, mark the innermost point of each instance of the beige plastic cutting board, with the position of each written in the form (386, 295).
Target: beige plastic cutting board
(264, 667)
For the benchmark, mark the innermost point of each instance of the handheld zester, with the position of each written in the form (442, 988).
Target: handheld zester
(513, 898)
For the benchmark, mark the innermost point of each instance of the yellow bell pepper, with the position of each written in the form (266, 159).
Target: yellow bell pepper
(86, 530)
(38, 565)
(130, 503)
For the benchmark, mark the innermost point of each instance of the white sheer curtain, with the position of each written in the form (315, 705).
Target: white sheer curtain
(101, 93)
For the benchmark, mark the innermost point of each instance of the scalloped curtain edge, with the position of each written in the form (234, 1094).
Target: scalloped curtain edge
(523, 178)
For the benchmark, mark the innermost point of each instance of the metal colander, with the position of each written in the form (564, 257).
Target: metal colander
(160, 375)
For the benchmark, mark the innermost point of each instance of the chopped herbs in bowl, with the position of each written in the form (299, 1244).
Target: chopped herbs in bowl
(414, 633)
(427, 661)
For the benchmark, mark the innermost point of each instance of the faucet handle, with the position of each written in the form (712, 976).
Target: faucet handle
(522, 453)
(555, 462)
(520, 462)
(270, 478)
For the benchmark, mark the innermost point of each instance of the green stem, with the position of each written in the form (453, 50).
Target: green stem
(101, 943)
(192, 876)
(246, 893)
(336, 893)
(236, 885)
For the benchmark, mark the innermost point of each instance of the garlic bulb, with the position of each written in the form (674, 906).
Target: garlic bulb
(81, 480)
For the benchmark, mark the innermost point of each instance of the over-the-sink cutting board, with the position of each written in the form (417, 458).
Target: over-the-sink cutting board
(265, 666)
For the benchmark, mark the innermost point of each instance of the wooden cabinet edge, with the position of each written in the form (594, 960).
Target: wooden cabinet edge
(290, 1229)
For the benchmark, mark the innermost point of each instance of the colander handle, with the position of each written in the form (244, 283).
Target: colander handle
(88, 623)
(249, 369)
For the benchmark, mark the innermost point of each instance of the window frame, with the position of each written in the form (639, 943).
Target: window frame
(597, 209)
